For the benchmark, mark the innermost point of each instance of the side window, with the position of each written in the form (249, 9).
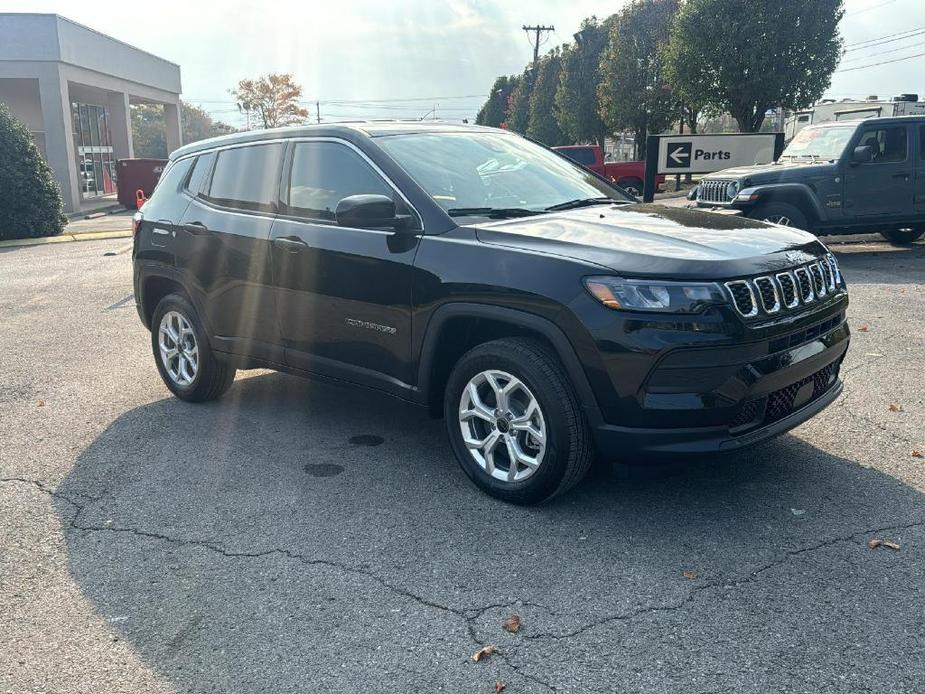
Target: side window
(246, 177)
(323, 173)
(584, 156)
(889, 144)
(201, 169)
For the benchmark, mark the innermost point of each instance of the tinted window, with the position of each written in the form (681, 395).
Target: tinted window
(167, 188)
(246, 177)
(201, 169)
(323, 173)
(584, 156)
(888, 144)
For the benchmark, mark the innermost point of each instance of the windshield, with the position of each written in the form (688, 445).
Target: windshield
(473, 172)
(819, 143)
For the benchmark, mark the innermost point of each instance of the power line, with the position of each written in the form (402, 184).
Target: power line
(870, 43)
(868, 9)
(882, 62)
(892, 50)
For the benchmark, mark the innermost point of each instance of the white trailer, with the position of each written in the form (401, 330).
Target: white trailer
(903, 105)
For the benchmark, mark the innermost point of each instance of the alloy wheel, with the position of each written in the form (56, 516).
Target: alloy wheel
(502, 425)
(178, 348)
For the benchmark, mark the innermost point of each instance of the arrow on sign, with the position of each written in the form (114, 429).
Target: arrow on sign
(680, 154)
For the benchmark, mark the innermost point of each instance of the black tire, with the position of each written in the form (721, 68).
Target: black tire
(633, 186)
(569, 450)
(213, 376)
(781, 213)
(902, 237)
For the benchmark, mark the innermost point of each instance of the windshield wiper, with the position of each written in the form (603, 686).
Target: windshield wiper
(491, 212)
(581, 202)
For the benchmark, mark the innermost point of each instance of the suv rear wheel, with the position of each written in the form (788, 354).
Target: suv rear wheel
(782, 213)
(182, 352)
(902, 236)
(515, 423)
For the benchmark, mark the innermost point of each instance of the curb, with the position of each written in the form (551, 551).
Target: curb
(67, 238)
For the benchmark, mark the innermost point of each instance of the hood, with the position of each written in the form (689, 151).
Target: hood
(645, 240)
(776, 172)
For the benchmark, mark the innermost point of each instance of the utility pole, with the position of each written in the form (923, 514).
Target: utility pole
(317, 112)
(538, 30)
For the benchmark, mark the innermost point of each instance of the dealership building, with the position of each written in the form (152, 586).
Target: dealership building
(73, 87)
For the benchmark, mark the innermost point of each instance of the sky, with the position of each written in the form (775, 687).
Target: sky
(404, 58)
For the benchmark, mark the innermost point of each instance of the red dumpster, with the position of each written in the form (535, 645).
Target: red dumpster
(135, 175)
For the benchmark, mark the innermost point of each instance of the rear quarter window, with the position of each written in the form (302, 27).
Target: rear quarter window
(584, 156)
(168, 188)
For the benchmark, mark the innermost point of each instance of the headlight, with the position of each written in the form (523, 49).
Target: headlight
(732, 190)
(653, 295)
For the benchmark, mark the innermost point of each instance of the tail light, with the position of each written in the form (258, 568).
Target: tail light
(136, 224)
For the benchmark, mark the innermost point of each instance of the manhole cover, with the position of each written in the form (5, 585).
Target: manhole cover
(323, 469)
(366, 440)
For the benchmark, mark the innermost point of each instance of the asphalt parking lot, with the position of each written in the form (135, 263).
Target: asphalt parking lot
(297, 537)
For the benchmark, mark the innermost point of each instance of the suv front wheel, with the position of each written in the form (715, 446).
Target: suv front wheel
(515, 423)
(782, 213)
(185, 361)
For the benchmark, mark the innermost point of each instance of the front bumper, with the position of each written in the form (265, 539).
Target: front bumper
(710, 400)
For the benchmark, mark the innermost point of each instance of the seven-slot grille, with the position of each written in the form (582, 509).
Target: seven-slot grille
(713, 191)
(771, 294)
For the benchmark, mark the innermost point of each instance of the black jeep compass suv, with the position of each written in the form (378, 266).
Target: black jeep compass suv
(543, 312)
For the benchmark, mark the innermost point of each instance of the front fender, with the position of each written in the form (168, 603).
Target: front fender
(798, 194)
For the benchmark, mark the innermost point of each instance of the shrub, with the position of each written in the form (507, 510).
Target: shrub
(30, 201)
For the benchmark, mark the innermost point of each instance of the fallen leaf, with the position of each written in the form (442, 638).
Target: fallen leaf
(500, 686)
(511, 624)
(864, 329)
(690, 574)
(797, 511)
(896, 408)
(891, 544)
(41, 403)
(484, 652)
(917, 454)
(874, 542)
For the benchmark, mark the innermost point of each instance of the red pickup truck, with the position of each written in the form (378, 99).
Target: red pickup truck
(629, 175)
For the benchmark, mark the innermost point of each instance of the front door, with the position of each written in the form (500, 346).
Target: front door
(883, 186)
(343, 294)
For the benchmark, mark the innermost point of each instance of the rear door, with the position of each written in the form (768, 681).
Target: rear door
(343, 294)
(223, 248)
(919, 192)
(884, 186)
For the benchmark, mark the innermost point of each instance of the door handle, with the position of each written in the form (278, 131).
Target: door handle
(293, 244)
(196, 228)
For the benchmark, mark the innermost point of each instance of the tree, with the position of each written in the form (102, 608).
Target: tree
(634, 92)
(149, 134)
(577, 105)
(518, 113)
(543, 125)
(30, 201)
(274, 98)
(494, 111)
(748, 57)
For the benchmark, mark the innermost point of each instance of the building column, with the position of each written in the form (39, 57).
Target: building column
(172, 123)
(120, 126)
(59, 135)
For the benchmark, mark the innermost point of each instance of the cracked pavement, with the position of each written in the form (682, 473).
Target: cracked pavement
(298, 537)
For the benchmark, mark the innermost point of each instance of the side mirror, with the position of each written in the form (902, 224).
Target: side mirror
(369, 212)
(862, 155)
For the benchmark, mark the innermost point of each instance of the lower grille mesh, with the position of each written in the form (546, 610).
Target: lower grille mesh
(782, 403)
